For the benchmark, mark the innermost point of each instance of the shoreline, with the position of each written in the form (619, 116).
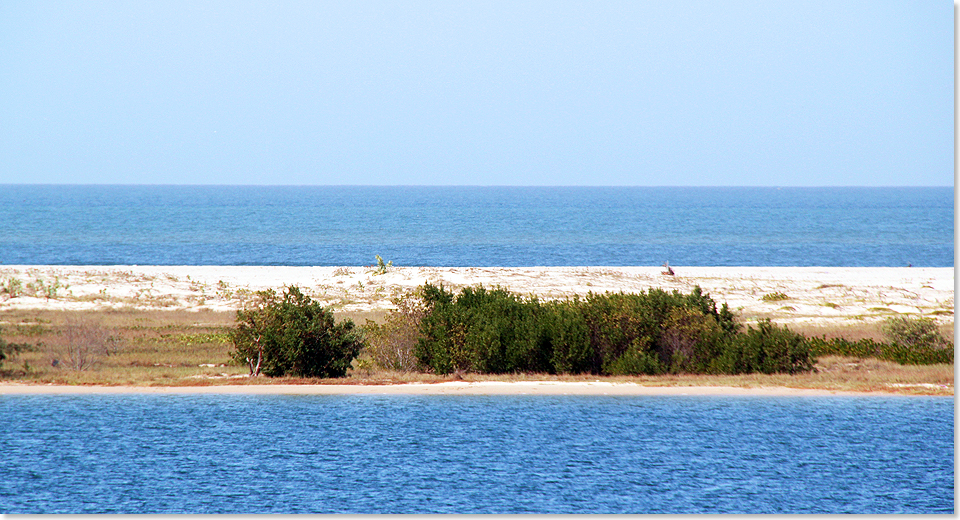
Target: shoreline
(546, 388)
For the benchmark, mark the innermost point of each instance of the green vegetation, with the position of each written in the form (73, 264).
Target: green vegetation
(776, 296)
(911, 341)
(768, 349)
(655, 332)
(47, 289)
(40, 288)
(493, 331)
(290, 334)
(654, 338)
(381, 266)
(914, 332)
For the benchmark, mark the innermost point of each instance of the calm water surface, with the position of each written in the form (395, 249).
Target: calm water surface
(475, 454)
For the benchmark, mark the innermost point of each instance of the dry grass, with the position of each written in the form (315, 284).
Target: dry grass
(831, 373)
(854, 330)
(187, 348)
(145, 347)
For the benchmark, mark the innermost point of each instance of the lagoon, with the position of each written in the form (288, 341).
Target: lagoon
(193, 453)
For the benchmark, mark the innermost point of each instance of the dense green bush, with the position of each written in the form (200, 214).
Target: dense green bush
(653, 332)
(768, 349)
(565, 335)
(290, 334)
(637, 359)
(480, 330)
(681, 332)
(495, 331)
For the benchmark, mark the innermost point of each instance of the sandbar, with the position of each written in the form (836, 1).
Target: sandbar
(819, 296)
(787, 295)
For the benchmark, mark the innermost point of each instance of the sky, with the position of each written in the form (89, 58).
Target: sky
(611, 93)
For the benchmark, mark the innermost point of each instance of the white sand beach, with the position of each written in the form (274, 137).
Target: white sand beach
(816, 295)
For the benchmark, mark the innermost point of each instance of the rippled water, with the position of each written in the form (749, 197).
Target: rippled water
(475, 226)
(475, 454)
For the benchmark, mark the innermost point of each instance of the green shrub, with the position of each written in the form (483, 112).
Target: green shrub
(689, 340)
(638, 359)
(912, 341)
(924, 355)
(913, 332)
(682, 330)
(290, 334)
(381, 266)
(775, 296)
(768, 349)
(480, 330)
(617, 322)
(565, 335)
(494, 331)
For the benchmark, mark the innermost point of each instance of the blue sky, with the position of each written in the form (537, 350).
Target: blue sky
(732, 93)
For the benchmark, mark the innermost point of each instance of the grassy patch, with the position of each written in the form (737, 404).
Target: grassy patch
(145, 347)
(774, 297)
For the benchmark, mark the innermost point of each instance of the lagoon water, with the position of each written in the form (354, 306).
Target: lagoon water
(475, 226)
(141, 453)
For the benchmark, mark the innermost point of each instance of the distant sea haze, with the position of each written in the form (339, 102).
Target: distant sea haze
(475, 226)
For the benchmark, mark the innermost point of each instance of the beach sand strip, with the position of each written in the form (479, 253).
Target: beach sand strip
(816, 295)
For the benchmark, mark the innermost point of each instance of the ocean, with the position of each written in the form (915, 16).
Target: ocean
(475, 226)
(244, 454)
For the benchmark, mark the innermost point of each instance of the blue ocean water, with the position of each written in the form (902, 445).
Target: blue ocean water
(475, 226)
(475, 454)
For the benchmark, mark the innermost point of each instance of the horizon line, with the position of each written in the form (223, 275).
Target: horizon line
(158, 184)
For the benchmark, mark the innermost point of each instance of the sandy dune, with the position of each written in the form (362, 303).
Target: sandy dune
(821, 295)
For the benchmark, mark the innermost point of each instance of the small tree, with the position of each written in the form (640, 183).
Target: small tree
(290, 334)
(392, 344)
(85, 345)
